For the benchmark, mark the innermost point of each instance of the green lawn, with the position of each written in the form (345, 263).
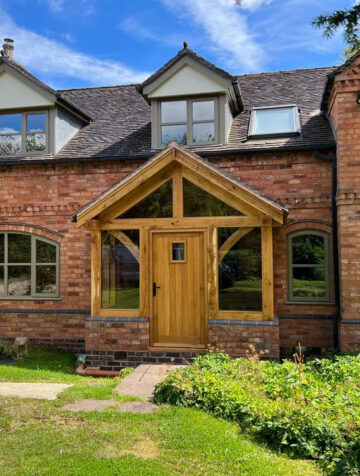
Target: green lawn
(39, 438)
(244, 295)
(125, 298)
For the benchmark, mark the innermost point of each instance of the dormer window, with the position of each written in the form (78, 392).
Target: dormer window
(274, 121)
(189, 122)
(23, 133)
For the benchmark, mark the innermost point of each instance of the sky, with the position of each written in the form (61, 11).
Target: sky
(82, 43)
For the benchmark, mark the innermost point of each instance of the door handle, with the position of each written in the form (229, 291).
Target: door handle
(155, 288)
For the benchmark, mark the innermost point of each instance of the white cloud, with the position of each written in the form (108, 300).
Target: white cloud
(56, 5)
(56, 60)
(253, 4)
(86, 7)
(226, 29)
(133, 27)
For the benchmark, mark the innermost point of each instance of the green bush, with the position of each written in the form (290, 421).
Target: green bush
(312, 410)
(4, 350)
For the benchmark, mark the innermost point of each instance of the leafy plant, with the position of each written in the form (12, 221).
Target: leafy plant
(4, 350)
(311, 410)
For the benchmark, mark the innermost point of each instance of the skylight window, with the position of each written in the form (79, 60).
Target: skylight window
(280, 120)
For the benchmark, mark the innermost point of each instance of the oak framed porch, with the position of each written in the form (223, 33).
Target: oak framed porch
(177, 164)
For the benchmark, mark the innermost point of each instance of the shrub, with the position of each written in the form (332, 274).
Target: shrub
(312, 410)
(4, 350)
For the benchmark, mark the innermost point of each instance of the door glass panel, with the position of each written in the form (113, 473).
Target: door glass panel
(19, 280)
(120, 269)
(198, 203)
(156, 205)
(19, 248)
(309, 282)
(240, 283)
(178, 251)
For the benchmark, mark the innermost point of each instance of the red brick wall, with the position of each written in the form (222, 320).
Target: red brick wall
(116, 335)
(235, 339)
(345, 115)
(349, 336)
(42, 199)
(309, 332)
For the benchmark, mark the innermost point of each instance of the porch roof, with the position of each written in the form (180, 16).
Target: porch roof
(250, 195)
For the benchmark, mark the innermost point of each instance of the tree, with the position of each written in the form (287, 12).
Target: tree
(349, 19)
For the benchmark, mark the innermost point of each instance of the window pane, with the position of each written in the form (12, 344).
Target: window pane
(240, 284)
(45, 252)
(35, 123)
(204, 132)
(178, 252)
(2, 283)
(120, 269)
(156, 205)
(308, 249)
(174, 133)
(10, 145)
(203, 110)
(46, 279)
(10, 123)
(272, 121)
(309, 282)
(2, 248)
(198, 203)
(19, 248)
(19, 280)
(35, 142)
(173, 111)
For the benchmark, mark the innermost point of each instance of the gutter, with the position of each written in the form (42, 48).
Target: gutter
(148, 155)
(335, 226)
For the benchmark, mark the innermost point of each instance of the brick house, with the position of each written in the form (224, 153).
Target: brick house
(146, 222)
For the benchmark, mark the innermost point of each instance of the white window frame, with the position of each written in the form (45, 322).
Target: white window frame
(24, 132)
(297, 124)
(190, 122)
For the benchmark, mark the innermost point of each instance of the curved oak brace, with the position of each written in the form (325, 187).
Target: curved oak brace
(231, 241)
(130, 245)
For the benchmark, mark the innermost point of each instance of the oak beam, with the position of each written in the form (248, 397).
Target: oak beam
(126, 241)
(231, 241)
(186, 222)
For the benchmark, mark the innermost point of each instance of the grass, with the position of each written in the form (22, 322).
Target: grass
(39, 438)
(124, 298)
(245, 295)
(303, 287)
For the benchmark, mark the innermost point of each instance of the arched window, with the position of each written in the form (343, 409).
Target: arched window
(29, 266)
(308, 266)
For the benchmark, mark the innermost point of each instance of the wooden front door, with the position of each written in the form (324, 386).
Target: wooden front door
(178, 290)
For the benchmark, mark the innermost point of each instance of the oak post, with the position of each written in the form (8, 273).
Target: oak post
(267, 273)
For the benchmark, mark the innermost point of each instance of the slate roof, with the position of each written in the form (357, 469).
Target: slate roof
(121, 128)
